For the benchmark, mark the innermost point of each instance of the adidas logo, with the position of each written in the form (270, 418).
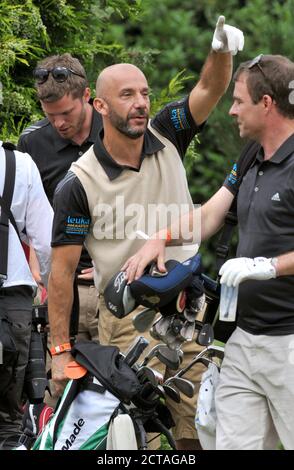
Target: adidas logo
(276, 197)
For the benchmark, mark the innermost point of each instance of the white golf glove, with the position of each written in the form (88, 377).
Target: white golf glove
(227, 38)
(238, 270)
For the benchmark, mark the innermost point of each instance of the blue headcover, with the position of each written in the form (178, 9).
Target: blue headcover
(158, 291)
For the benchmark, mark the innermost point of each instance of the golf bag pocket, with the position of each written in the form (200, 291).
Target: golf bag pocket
(121, 434)
(205, 419)
(82, 419)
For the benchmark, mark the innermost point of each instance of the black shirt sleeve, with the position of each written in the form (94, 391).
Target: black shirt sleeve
(240, 168)
(72, 218)
(175, 122)
(21, 145)
(231, 181)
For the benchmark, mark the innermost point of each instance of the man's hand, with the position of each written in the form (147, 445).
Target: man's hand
(238, 270)
(87, 274)
(152, 250)
(58, 375)
(227, 38)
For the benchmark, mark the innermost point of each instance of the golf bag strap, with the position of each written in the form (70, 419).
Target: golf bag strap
(6, 214)
(93, 387)
(231, 220)
(74, 389)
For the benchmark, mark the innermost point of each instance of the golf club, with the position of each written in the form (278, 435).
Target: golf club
(143, 320)
(136, 350)
(184, 385)
(205, 336)
(172, 393)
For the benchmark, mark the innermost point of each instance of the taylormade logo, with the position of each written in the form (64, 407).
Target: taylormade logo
(76, 431)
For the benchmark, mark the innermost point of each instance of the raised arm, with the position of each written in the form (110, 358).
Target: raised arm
(217, 71)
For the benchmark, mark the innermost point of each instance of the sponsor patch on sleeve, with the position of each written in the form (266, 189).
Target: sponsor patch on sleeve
(231, 179)
(77, 225)
(179, 118)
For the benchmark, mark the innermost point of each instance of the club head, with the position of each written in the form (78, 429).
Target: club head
(170, 357)
(160, 392)
(185, 386)
(206, 362)
(187, 331)
(152, 353)
(214, 350)
(172, 393)
(160, 327)
(206, 335)
(144, 320)
(149, 374)
(135, 351)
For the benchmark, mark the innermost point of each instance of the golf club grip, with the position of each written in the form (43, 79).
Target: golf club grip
(135, 352)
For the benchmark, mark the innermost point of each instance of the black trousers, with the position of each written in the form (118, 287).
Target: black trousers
(16, 305)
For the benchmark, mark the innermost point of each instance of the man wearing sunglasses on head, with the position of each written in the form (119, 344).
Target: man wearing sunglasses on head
(140, 161)
(257, 376)
(69, 129)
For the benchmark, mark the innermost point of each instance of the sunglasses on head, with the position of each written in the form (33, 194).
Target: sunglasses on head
(257, 62)
(60, 74)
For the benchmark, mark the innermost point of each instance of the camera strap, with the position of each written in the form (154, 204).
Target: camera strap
(6, 214)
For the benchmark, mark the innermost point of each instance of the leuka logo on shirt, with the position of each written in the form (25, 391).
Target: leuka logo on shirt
(178, 118)
(77, 225)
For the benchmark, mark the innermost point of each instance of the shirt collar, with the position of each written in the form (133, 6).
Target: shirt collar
(96, 126)
(281, 154)
(113, 169)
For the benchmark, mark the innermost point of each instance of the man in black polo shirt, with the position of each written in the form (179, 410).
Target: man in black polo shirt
(256, 388)
(68, 131)
(257, 378)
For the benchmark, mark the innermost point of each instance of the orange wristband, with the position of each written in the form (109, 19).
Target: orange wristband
(168, 236)
(65, 347)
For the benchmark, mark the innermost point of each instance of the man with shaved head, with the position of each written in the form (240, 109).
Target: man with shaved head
(110, 80)
(133, 171)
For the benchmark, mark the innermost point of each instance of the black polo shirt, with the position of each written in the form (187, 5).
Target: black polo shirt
(54, 155)
(266, 228)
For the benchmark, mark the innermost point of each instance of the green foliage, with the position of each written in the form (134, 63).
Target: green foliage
(33, 29)
(173, 91)
(169, 40)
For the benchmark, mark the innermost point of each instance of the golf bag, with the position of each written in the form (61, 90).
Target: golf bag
(91, 404)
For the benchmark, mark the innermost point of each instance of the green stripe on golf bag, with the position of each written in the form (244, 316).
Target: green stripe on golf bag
(82, 418)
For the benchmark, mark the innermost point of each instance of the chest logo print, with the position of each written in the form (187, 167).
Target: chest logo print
(276, 197)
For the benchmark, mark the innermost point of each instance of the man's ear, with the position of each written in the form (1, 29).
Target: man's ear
(267, 102)
(101, 106)
(87, 94)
